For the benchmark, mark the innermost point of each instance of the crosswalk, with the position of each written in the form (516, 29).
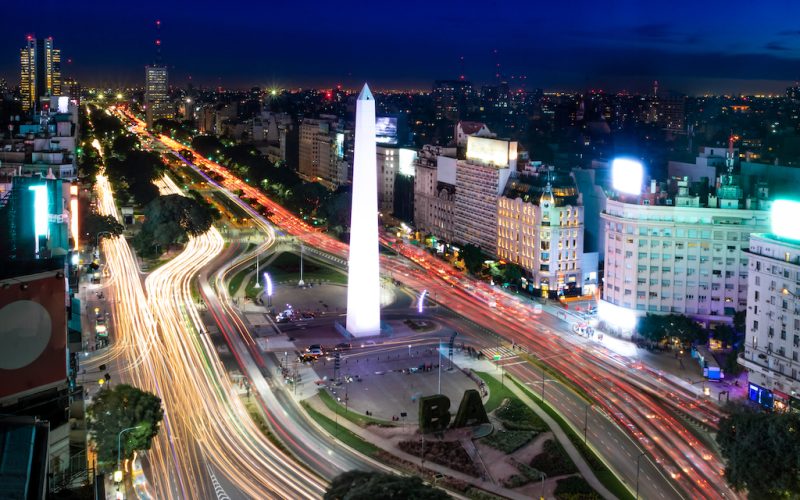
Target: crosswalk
(503, 351)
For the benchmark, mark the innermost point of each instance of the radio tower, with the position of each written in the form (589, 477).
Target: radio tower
(158, 42)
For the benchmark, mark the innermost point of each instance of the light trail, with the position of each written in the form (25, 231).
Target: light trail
(158, 333)
(629, 396)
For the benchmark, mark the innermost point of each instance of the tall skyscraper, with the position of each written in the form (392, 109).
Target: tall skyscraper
(363, 279)
(40, 71)
(156, 96)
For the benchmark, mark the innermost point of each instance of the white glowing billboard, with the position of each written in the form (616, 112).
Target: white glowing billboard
(491, 151)
(386, 130)
(784, 219)
(616, 316)
(406, 161)
(627, 175)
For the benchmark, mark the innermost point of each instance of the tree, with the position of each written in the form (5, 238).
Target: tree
(94, 223)
(513, 273)
(657, 327)
(739, 319)
(762, 451)
(361, 485)
(473, 258)
(119, 408)
(170, 219)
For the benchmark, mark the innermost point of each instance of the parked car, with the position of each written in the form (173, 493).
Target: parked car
(344, 346)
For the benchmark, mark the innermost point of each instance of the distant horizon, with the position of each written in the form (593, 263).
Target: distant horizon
(696, 48)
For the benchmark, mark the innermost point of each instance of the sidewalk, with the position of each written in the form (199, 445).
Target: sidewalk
(388, 445)
(580, 462)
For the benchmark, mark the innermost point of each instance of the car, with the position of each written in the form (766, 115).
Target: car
(308, 357)
(344, 346)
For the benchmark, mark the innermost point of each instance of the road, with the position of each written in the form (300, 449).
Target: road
(206, 426)
(634, 397)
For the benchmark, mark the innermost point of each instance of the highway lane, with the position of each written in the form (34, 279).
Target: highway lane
(205, 420)
(676, 450)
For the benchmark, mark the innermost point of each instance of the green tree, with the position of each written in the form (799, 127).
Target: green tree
(361, 485)
(739, 319)
(473, 258)
(169, 220)
(513, 273)
(95, 223)
(119, 408)
(762, 452)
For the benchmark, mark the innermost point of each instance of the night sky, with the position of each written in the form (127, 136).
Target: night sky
(695, 47)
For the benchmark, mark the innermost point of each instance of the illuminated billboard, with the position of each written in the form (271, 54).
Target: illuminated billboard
(491, 151)
(627, 175)
(386, 130)
(340, 145)
(406, 161)
(784, 219)
(33, 330)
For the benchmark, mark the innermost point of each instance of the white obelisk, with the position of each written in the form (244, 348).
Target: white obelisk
(363, 279)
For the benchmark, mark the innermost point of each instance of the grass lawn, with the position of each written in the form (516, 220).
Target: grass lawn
(340, 433)
(357, 418)
(553, 460)
(497, 392)
(236, 281)
(574, 487)
(509, 441)
(286, 267)
(603, 473)
(516, 415)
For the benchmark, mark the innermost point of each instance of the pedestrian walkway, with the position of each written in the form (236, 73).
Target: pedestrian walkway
(502, 351)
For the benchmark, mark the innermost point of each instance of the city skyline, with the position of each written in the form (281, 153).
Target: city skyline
(623, 46)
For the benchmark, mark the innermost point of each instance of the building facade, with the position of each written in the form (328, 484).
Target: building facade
(324, 144)
(540, 228)
(673, 254)
(434, 196)
(40, 71)
(156, 96)
(392, 161)
(480, 179)
(772, 328)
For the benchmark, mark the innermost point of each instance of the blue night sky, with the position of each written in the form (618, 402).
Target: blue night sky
(692, 46)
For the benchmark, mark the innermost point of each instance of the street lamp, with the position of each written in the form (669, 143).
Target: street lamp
(268, 283)
(97, 240)
(258, 284)
(638, 463)
(118, 472)
(785, 291)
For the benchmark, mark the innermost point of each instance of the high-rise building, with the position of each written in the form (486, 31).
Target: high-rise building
(772, 325)
(451, 98)
(40, 71)
(680, 249)
(540, 228)
(480, 180)
(392, 161)
(363, 278)
(324, 147)
(72, 88)
(156, 94)
(434, 191)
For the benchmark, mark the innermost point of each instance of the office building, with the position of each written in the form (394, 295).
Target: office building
(324, 144)
(680, 248)
(772, 327)
(434, 191)
(40, 71)
(392, 162)
(451, 98)
(156, 95)
(540, 228)
(480, 180)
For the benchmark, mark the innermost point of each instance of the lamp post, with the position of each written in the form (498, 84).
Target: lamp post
(638, 463)
(118, 472)
(541, 494)
(258, 284)
(97, 241)
(785, 291)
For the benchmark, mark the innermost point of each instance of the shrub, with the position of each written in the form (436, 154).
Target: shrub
(516, 415)
(553, 460)
(574, 488)
(509, 441)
